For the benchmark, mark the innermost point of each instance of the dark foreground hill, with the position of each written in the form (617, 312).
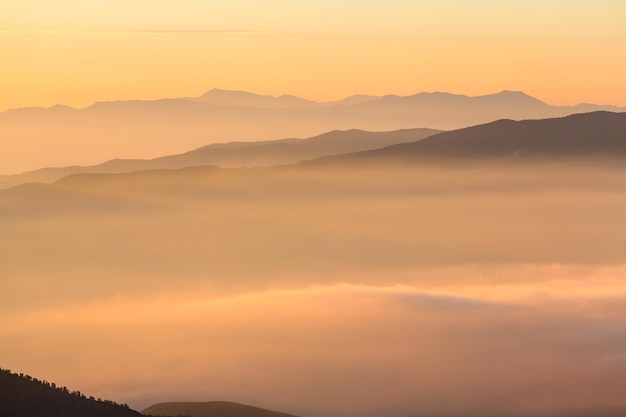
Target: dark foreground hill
(597, 134)
(211, 409)
(24, 396)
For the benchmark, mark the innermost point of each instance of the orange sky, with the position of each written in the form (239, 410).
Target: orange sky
(373, 293)
(77, 52)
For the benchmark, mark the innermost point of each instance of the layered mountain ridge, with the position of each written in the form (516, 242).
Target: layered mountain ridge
(61, 136)
(238, 154)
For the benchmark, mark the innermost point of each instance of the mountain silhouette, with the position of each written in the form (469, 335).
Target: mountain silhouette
(24, 396)
(239, 154)
(211, 409)
(61, 136)
(518, 99)
(231, 98)
(586, 136)
(597, 134)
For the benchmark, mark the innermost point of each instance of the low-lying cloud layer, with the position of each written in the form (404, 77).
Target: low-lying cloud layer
(337, 349)
(459, 291)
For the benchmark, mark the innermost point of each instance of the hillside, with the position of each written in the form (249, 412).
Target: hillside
(238, 154)
(468, 258)
(24, 396)
(596, 134)
(61, 136)
(211, 409)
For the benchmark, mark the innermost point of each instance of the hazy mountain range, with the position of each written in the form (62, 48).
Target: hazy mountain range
(61, 136)
(586, 135)
(238, 154)
(411, 213)
(232, 98)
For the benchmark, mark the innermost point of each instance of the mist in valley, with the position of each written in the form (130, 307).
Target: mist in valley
(312, 209)
(361, 290)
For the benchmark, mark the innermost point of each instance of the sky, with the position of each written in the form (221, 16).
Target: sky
(76, 52)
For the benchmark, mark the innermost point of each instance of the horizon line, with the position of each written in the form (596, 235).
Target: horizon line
(305, 98)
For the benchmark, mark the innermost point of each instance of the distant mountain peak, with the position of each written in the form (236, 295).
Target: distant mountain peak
(223, 92)
(439, 93)
(357, 99)
(221, 97)
(442, 98)
(518, 94)
(289, 96)
(61, 107)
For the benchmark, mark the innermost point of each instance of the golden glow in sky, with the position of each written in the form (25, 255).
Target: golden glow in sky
(347, 287)
(77, 52)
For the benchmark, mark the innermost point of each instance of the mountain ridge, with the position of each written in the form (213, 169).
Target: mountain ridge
(147, 129)
(352, 99)
(595, 134)
(236, 154)
(24, 396)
